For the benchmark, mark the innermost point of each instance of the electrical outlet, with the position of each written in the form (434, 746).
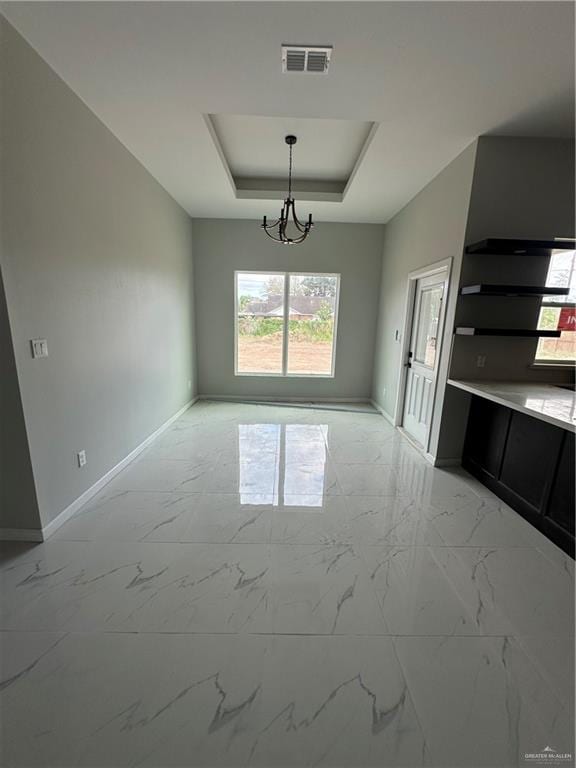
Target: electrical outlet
(480, 361)
(81, 458)
(39, 348)
(189, 384)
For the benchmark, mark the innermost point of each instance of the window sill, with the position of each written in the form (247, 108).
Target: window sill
(286, 376)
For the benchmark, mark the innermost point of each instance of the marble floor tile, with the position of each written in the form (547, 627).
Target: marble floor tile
(243, 476)
(557, 556)
(388, 453)
(162, 475)
(174, 700)
(322, 590)
(553, 656)
(81, 586)
(473, 704)
(282, 587)
(426, 483)
(368, 480)
(319, 479)
(302, 521)
(229, 518)
(511, 591)
(415, 593)
(131, 516)
(473, 521)
(389, 520)
(205, 588)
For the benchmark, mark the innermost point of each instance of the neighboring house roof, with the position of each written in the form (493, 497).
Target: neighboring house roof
(299, 305)
(279, 312)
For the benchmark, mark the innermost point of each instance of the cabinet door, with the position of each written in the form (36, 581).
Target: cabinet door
(531, 455)
(486, 434)
(561, 503)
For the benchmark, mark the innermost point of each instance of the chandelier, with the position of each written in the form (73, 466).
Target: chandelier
(277, 230)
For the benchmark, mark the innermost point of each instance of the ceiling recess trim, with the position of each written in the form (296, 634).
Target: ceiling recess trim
(244, 188)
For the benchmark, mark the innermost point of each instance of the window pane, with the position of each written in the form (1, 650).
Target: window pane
(260, 311)
(561, 274)
(312, 310)
(427, 332)
(562, 348)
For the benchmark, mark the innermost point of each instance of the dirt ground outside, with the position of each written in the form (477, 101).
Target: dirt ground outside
(264, 355)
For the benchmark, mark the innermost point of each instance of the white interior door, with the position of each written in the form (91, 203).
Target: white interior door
(423, 355)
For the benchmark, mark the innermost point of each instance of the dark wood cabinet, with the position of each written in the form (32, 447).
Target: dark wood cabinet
(562, 502)
(526, 462)
(532, 451)
(487, 429)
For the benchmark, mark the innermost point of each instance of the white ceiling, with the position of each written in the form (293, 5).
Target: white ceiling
(326, 149)
(433, 75)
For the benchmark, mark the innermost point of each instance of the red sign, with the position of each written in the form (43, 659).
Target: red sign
(567, 319)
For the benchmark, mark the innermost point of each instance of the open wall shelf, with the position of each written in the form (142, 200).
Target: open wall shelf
(510, 247)
(484, 289)
(526, 332)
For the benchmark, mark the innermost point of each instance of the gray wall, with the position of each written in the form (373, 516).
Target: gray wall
(97, 260)
(429, 229)
(18, 503)
(223, 246)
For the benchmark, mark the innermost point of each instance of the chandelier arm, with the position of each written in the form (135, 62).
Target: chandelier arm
(301, 238)
(271, 226)
(302, 227)
(276, 239)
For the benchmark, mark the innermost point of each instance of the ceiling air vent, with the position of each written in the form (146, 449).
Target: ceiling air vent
(306, 58)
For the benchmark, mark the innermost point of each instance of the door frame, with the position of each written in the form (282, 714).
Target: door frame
(406, 334)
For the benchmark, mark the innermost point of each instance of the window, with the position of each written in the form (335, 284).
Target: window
(559, 312)
(286, 323)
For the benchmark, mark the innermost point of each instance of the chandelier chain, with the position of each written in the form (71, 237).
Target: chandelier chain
(290, 174)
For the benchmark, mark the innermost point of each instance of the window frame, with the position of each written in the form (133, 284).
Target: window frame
(544, 362)
(286, 325)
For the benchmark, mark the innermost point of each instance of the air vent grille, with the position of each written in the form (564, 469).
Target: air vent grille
(306, 58)
(295, 61)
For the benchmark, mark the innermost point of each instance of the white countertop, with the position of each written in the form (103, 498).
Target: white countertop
(548, 402)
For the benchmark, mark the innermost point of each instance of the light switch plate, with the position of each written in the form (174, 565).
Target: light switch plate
(39, 347)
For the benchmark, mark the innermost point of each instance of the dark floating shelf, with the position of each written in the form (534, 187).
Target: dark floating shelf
(483, 289)
(509, 247)
(528, 333)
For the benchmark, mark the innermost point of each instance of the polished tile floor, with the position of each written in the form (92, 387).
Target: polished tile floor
(270, 586)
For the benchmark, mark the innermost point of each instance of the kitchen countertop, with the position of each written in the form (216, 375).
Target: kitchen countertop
(548, 402)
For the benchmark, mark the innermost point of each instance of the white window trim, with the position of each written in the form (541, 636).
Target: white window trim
(286, 328)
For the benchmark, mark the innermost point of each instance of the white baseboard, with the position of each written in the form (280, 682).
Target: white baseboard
(382, 412)
(277, 399)
(18, 534)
